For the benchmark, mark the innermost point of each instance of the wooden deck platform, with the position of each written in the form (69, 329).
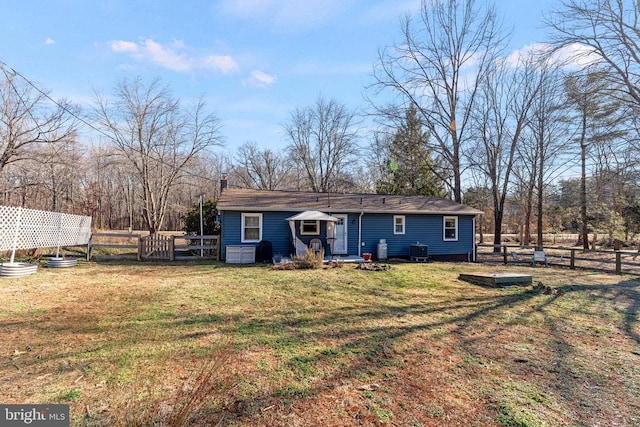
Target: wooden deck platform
(496, 279)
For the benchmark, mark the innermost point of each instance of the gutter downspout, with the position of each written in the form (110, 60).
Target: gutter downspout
(360, 233)
(474, 238)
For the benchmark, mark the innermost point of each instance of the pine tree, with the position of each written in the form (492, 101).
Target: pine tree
(597, 113)
(412, 168)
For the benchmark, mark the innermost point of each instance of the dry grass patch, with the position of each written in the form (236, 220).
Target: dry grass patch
(136, 344)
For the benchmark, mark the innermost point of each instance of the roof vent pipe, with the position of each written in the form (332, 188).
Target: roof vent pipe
(384, 199)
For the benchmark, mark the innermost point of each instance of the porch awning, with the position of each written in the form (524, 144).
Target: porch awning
(312, 216)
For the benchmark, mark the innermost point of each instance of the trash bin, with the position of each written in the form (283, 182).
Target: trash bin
(264, 251)
(382, 249)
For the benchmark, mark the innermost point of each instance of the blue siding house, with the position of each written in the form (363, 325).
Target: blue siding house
(347, 224)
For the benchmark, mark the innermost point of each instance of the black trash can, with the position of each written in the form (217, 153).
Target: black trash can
(264, 251)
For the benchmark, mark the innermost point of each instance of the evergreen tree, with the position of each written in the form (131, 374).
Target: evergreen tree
(597, 115)
(209, 216)
(412, 168)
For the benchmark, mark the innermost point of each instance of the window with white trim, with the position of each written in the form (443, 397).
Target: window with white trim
(251, 227)
(450, 225)
(398, 224)
(309, 227)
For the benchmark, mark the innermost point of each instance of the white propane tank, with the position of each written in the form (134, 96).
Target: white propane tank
(382, 249)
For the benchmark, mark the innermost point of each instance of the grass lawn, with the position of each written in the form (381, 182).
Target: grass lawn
(215, 344)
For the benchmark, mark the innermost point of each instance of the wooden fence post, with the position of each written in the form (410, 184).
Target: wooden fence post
(140, 249)
(504, 255)
(618, 262)
(572, 262)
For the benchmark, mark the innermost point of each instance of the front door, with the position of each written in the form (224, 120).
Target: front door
(340, 244)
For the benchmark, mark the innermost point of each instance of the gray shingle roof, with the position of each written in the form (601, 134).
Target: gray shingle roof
(296, 201)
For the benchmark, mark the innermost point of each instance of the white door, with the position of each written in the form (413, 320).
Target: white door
(340, 244)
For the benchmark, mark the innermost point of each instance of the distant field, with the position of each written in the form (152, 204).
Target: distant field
(213, 344)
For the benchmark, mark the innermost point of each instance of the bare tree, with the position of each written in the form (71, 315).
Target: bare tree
(502, 111)
(438, 67)
(60, 167)
(29, 118)
(525, 173)
(377, 156)
(157, 137)
(323, 139)
(549, 137)
(260, 169)
(602, 33)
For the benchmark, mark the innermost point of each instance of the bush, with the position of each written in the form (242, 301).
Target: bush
(209, 215)
(310, 259)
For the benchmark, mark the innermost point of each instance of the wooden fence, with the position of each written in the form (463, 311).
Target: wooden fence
(158, 247)
(155, 247)
(618, 262)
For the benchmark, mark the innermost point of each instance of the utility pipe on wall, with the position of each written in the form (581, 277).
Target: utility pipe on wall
(360, 233)
(473, 239)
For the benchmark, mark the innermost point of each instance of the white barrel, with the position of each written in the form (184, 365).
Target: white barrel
(382, 249)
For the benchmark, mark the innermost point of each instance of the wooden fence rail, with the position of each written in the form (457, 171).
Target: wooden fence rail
(161, 246)
(618, 262)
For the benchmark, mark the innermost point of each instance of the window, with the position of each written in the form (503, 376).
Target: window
(398, 224)
(251, 227)
(450, 228)
(309, 227)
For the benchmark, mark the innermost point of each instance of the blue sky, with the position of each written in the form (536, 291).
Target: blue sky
(254, 61)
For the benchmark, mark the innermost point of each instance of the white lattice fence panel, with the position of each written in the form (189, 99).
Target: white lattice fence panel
(29, 229)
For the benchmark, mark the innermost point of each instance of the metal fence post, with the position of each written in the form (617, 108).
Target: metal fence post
(15, 235)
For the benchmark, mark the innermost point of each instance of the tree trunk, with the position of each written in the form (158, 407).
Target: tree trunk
(540, 206)
(497, 235)
(583, 196)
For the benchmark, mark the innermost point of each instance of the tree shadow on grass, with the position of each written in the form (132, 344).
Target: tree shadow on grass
(316, 349)
(359, 339)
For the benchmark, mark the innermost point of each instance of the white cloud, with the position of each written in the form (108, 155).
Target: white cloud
(520, 56)
(573, 56)
(49, 41)
(577, 55)
(123, 46)
(224, 63)
(173, 56)
(260, 79)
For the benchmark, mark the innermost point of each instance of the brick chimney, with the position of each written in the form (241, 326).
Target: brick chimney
(223, 182)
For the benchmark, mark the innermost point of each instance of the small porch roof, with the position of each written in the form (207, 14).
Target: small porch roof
(312, 216)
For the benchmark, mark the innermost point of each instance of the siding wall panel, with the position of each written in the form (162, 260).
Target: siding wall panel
(426, 229)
